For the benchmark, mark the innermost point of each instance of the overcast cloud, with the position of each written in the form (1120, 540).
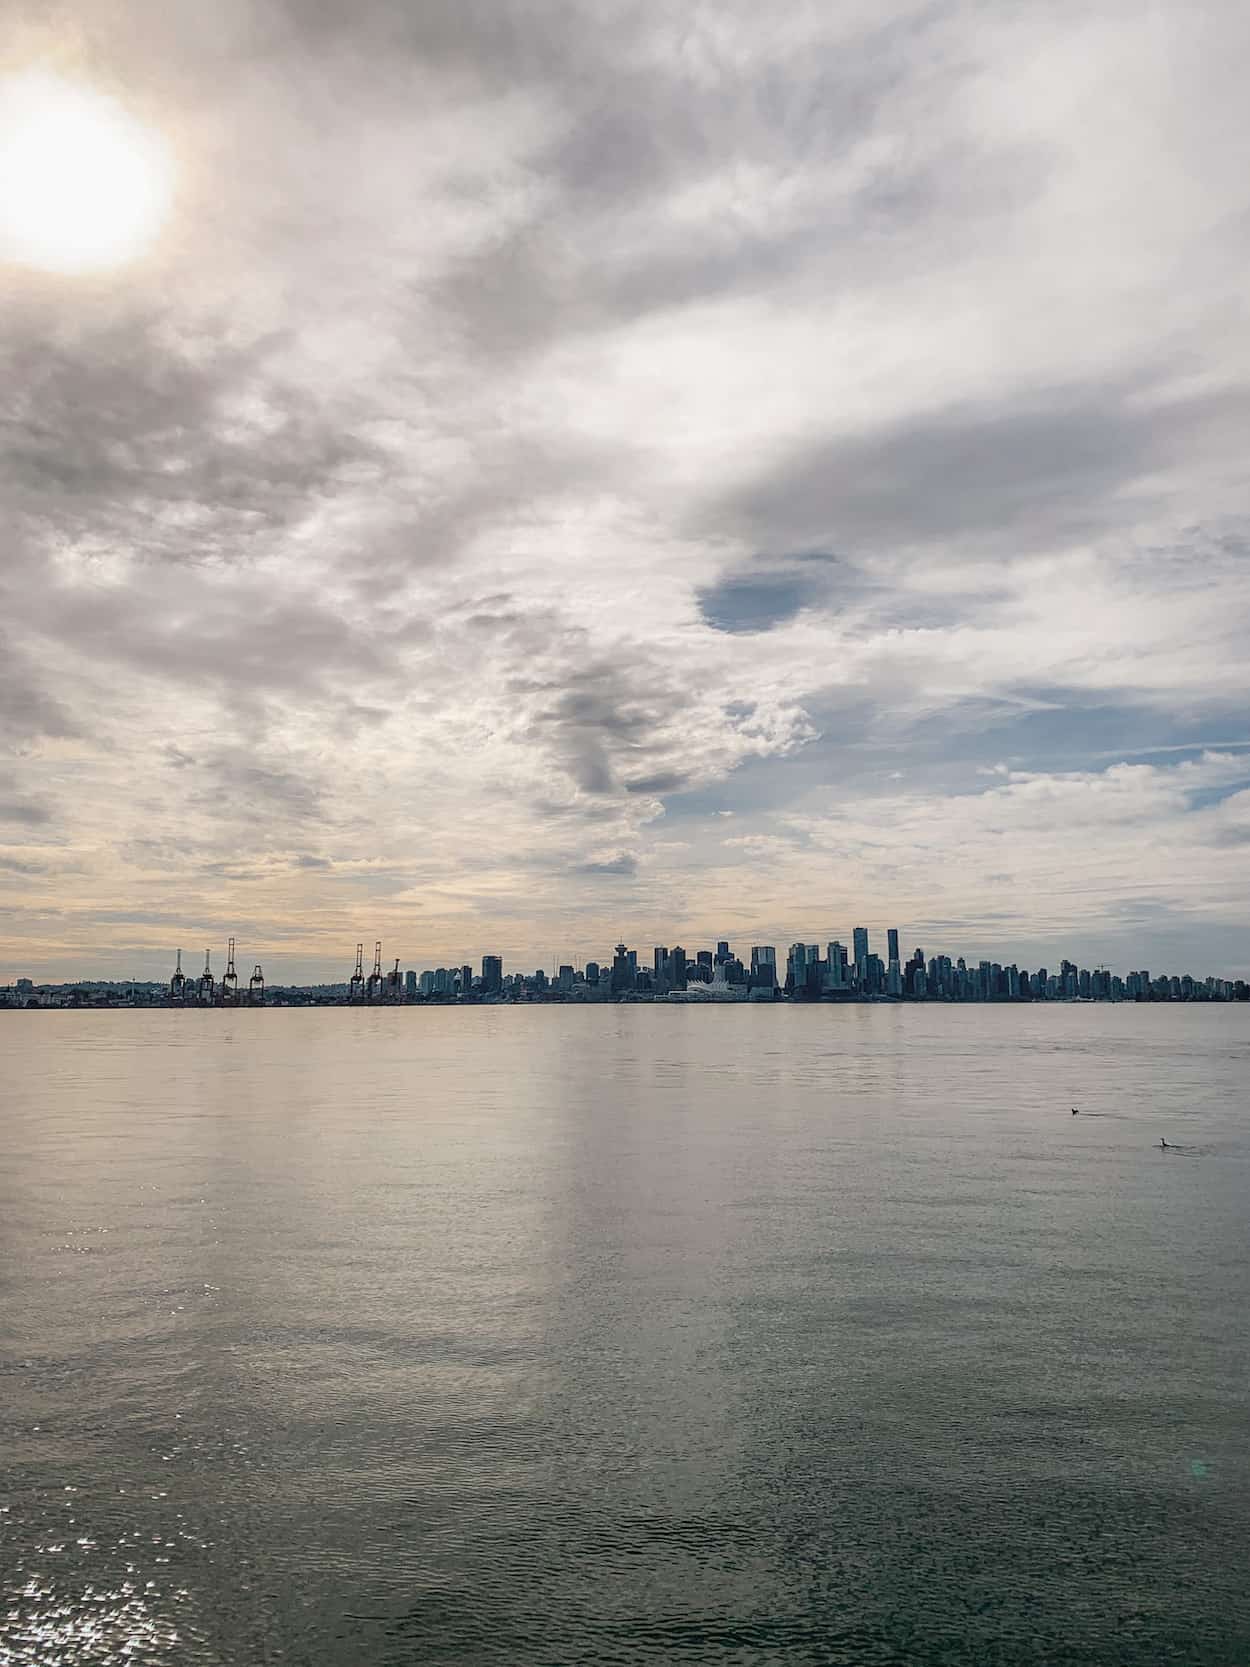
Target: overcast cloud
(631, 468)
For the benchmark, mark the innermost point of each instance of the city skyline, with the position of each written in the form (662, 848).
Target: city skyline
(619, 464)
(802, 971)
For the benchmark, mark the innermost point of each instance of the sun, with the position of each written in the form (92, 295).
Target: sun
(83, 185)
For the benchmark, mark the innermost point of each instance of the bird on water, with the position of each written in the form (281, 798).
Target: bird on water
(1075, 1111)
(1163, 1144)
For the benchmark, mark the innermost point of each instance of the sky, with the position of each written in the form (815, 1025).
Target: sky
(571, 471)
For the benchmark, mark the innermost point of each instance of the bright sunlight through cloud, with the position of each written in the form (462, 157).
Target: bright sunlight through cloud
(82, 184)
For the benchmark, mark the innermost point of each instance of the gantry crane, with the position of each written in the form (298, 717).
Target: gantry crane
(356, 989)
(178, 983)
(373, 989)
(230, 980)
(256, 988)
(206, 985)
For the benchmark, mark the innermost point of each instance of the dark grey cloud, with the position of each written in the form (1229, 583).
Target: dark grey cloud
(602, 724)
(239, 785)
(1028, 471)
(636, 132)
(624, 865)
(662, 782)
(247, 645)
(28, 709)
(131, 431)
(25, 811)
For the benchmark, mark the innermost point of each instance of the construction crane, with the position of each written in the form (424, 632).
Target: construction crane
(178, 983)
(394, 984)
(230, 979)
(256, 988)
(373, 989)
(356, 989)
(206, 985)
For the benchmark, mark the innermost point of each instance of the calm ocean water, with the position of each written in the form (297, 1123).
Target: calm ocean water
(625, 1335)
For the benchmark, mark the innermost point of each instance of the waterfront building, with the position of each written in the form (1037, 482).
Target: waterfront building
(624, 970)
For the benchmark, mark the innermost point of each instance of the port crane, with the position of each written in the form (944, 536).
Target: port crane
(356, 988)
(256, 988)
(178, 983)
(230, 980)
(373, 988)
(206, 985)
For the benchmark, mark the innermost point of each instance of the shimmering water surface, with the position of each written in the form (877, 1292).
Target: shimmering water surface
(625, 1335)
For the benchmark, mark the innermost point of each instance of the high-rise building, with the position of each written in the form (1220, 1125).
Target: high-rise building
(492, 974)
(763, 966)
(410, 983)
(892, 944)
(679, 967)
(859, 942)
(722, 952)
(624, 971)
(836, 975)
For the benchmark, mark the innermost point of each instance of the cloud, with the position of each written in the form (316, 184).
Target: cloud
(19, 865)
(542, 433)
(622, 863)
(24, 808)
(1029, 472)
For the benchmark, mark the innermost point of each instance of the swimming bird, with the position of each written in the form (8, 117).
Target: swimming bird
(1075, 1112)
(1163, 1143)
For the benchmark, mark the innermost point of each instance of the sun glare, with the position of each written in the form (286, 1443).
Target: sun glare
(82, 184)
